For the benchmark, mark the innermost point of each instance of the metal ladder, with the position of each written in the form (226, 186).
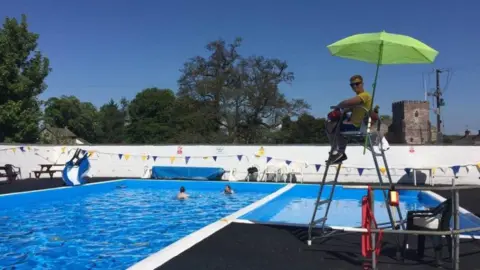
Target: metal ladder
(322, 221)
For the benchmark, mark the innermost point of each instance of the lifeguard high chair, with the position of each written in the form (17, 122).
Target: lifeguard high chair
(374, 144)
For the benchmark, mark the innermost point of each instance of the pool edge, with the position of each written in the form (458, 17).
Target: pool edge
(169, 252)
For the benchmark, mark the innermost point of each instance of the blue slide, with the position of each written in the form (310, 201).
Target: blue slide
(76, 169)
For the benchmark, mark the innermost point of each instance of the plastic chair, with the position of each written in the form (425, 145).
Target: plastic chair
(437, 219)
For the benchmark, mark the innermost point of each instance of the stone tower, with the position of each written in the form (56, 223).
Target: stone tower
(410, 122)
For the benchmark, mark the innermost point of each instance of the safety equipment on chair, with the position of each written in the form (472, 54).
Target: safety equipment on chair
(393, 197)
(76, 169)
(334, 115)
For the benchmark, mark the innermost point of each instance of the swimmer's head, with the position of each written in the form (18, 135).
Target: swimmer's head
(182, 189)
(228, 188)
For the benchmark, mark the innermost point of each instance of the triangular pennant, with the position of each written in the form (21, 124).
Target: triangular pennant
(360, 171)
(205, 158)
(154, 158)
(407, 170)
(433, 171)
(187, 159)
(63, 149)
(455, 169)
(172, 160)
(120, 156)
(214, 158)
(144, 157)
(317, 167)
(28, 147)
(14, 150)
(478, 165)
(90, 153)
(22, 148)
(268, 159)
(84, 152)
(383, 170)
(127, 156)
(288, 162)
(239, 157)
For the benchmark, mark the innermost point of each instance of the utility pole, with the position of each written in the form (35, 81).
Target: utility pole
(438, 94)
(440, 102)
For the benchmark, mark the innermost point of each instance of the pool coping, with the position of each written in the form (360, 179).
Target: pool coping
(356, 229)
(169, 252)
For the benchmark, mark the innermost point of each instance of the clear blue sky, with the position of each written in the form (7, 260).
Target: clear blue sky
(113, 48)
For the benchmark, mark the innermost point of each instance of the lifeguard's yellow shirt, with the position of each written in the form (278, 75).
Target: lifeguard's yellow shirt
(358, 114)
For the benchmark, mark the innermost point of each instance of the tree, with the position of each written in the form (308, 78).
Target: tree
(240, 95)
(112, 117)
(152, 117)
(81, 118)
(305, 130)
(23, 70)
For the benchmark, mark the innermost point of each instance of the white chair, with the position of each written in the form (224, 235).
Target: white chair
(272, 172)
(147, 172)
(296, 168)
(230, 175)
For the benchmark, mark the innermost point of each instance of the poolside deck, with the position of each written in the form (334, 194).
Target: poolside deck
(251, 246)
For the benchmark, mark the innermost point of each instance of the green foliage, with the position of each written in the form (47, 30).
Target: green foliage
(82, 118)
(22, 74)
(112, 122)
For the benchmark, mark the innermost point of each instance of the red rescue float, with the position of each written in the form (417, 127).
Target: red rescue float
(367, 220)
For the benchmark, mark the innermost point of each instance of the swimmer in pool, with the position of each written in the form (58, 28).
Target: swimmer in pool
(182, 194)
(228, 190)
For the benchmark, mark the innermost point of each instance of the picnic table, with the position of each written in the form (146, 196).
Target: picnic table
(49, 169)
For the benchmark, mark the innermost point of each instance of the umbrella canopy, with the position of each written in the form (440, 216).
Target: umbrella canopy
(383, 49)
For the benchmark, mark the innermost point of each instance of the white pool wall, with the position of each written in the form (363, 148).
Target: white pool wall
(105, 161)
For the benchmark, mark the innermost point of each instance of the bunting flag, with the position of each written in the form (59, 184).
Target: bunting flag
(214, 158)
(360, 171)
(14, 150)
(90, 153)
(239, 157)
(478, 165)
(383, 170)
(268, 159)
(126, 156)
(63, 149)
(120, 156)
(154, 158)
(22, 148)
(288, 162)
(187, 158)
(455, 169)
(205, 158)
(317, 167)
(172, 159)
(433, 171)
(144, 157)
(407, 170)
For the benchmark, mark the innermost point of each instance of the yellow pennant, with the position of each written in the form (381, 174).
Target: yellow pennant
(28, 147)
(433, 171)
(205, 157)
(383, 170)
(144, 157)
(126, 156)
(63, 149)
(90, 153)
(172, 160)
(478, 165)
(14, 150)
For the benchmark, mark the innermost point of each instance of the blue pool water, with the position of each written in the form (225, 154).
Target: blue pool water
(110, 225)
(296, 207)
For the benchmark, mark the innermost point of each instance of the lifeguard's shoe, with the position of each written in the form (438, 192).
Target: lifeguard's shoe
(337, 158)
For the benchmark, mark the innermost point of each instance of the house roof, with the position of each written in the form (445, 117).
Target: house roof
(61, 132)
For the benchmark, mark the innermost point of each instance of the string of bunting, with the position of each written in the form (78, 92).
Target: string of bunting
(360, 170)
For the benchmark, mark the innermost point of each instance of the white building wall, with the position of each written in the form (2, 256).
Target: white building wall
(105, 159)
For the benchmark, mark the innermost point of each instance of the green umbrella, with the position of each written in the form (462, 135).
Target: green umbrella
(383, 49)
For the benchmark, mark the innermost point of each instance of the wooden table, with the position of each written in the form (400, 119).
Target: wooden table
(47, 168)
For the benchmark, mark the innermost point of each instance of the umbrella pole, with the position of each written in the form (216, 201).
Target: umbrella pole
(373, 96)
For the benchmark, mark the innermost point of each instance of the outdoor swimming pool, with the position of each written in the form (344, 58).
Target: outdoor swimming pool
(110, 225)
(297, 204)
